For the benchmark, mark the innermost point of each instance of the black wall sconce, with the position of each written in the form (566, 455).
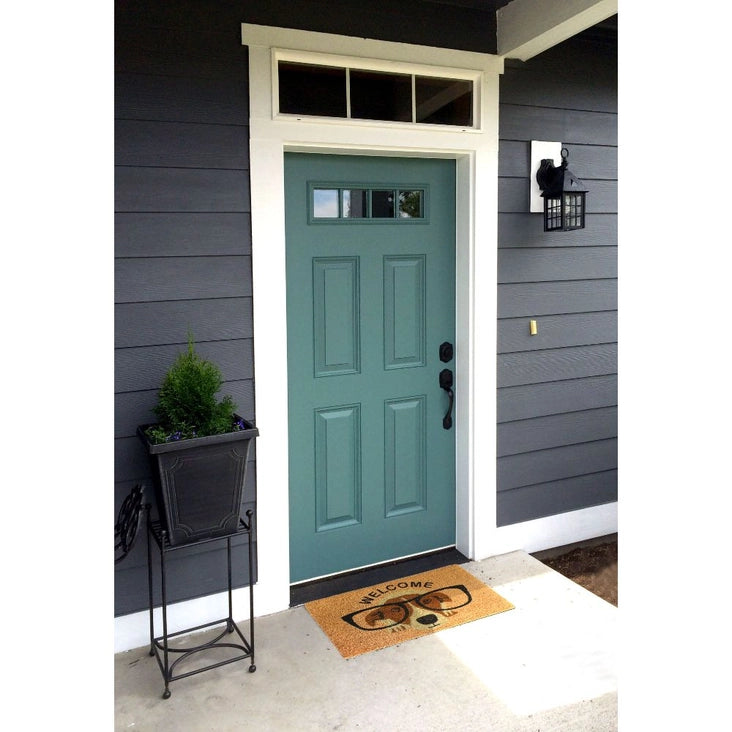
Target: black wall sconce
(563, 194)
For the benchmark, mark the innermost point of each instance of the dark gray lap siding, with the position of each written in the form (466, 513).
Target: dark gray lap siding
(182, 244)
(557, 390)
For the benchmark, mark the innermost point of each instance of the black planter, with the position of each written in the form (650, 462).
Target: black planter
(199, 483)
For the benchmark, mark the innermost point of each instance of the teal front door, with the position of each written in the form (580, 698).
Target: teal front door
(370, 301)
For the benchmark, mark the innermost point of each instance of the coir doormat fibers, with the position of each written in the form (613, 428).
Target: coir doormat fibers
(393, 612)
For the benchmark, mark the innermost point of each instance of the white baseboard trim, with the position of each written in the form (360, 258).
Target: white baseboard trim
(564, 528)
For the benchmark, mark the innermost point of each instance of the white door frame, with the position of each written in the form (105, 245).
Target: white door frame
(475, 151)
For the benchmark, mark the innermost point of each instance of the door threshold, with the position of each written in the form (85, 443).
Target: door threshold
(377, 574)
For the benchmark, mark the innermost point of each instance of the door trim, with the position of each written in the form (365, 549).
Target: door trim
(476, 156)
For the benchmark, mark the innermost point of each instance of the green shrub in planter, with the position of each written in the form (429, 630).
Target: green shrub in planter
(187, 405)
(198, 451)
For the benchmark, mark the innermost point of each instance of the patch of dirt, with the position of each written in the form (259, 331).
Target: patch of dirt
(594, 566)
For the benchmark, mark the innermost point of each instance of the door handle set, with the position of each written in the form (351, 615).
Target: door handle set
(446, 382)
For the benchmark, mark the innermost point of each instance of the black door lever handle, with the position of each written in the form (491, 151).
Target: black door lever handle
(446, 384)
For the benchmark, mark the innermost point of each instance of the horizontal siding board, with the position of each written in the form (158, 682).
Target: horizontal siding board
(158, 323)
(546, 265)
(180, 189)
(211, 50)
(557, 331)
(586, 86)
(556, 463)
(205, 572)
(537, 400)
(542, 433)
(587, 162)
(516, 369)
(181, 145)
(408, 21)
(524, 229)
(178, 14)
(569, 126)
(181, 234)
(181, 99)
(513, 196)
(182, 278)
(546, 298)
(134, 408)
(548, 499)
(594, 48)
(137, 369)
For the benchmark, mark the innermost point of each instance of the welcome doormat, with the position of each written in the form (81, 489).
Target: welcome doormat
(393, 612)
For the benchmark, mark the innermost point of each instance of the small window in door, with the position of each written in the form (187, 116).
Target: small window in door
(363, 204)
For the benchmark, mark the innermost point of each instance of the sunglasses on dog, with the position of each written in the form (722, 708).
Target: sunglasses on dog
(378, 617)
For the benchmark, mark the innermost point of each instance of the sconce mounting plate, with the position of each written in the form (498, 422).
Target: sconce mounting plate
(541, 150)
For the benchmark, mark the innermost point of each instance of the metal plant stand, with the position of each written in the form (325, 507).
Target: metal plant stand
(160, 645)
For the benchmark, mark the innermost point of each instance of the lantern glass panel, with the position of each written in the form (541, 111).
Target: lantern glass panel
(574, 211)
(564, 213)
(552, 214)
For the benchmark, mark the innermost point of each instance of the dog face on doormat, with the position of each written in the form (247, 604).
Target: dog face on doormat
(416, 610)
(388, 614)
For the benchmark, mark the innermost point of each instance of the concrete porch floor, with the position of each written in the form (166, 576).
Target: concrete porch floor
(549, 664)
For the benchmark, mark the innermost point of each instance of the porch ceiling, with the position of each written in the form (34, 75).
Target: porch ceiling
(525, 28)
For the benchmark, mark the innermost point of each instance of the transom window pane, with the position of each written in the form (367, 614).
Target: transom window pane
(376, 95)
(313, 90)
(444, 101)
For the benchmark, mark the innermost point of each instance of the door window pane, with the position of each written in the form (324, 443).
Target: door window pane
(315, 90)
(444, 101)
(382, 204)
(410, 205)
(325, 203)
(376, 95)
(355, 204)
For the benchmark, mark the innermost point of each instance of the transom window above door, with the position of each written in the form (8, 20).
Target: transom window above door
(356, 93)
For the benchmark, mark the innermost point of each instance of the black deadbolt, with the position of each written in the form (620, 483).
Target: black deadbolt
(446, 352)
